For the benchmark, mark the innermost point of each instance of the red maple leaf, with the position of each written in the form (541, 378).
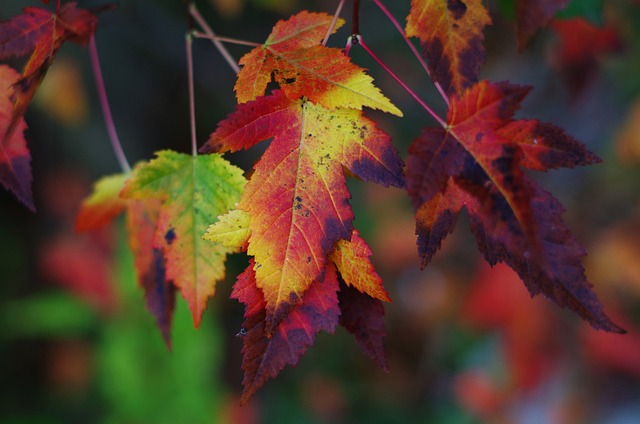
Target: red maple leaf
(475, 162)
(41, 33)
(264, 357)
(15, 160)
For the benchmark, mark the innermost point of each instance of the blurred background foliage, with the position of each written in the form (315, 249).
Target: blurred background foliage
(465, 342)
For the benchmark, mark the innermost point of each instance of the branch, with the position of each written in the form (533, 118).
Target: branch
(193, 10)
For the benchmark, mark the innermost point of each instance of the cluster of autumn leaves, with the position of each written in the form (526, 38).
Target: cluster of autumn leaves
(309, 270)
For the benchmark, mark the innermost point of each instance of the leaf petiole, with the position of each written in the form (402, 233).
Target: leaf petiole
(415, 52)
(333, 22)
(195, 13)
(359, 41)
(192, 103)
(106, 110)
(197, 34)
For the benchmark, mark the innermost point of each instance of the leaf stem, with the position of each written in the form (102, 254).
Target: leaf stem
(192, 103)
(197, 34)
(193, 10)
(333, 22)
(360, 41)
(106, 109)
(355, 18)
(415, 52)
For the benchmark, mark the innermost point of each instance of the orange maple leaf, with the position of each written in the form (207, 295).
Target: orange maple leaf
(297, 198)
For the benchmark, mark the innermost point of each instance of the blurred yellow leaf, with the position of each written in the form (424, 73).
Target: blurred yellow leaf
(62, 93)
(627, 140)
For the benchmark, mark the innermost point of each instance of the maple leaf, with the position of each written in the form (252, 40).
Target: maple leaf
(363, 316)
(532, 15)
(475, 162)
(451, 34)
(100, 208)
(361, 293)
(264, 357)
(15, 160)
(194, 190)
(293, 56)
(150, 263)
(351, 257)
(297, 198)
(42, 33)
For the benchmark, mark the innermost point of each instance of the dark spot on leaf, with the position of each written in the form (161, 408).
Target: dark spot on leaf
(170, 236)
(479, 136)
(470, 60)
(288, 81)
(457, 8)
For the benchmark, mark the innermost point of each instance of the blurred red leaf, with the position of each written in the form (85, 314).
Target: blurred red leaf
(580, 47)
(614, 352)
(81, 264)
(496, 301)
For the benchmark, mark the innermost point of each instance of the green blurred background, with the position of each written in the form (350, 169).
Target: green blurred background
(465, 343)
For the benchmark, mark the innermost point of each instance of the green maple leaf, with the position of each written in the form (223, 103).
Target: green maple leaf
(194, 191)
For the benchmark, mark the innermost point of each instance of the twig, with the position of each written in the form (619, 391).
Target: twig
(415, 52)
(193, 10)
(197, 34)
(106, 110)
(421, 102)
(333, 22)
(192, 103)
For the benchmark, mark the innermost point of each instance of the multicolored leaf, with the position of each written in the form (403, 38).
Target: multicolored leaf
(150, 263)
(294, 58)
(476, 163)
(100, 208)
(351, 257)
(297, 197)
(194, 190)
(15, 159)
(451, 34)
(263, 357)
